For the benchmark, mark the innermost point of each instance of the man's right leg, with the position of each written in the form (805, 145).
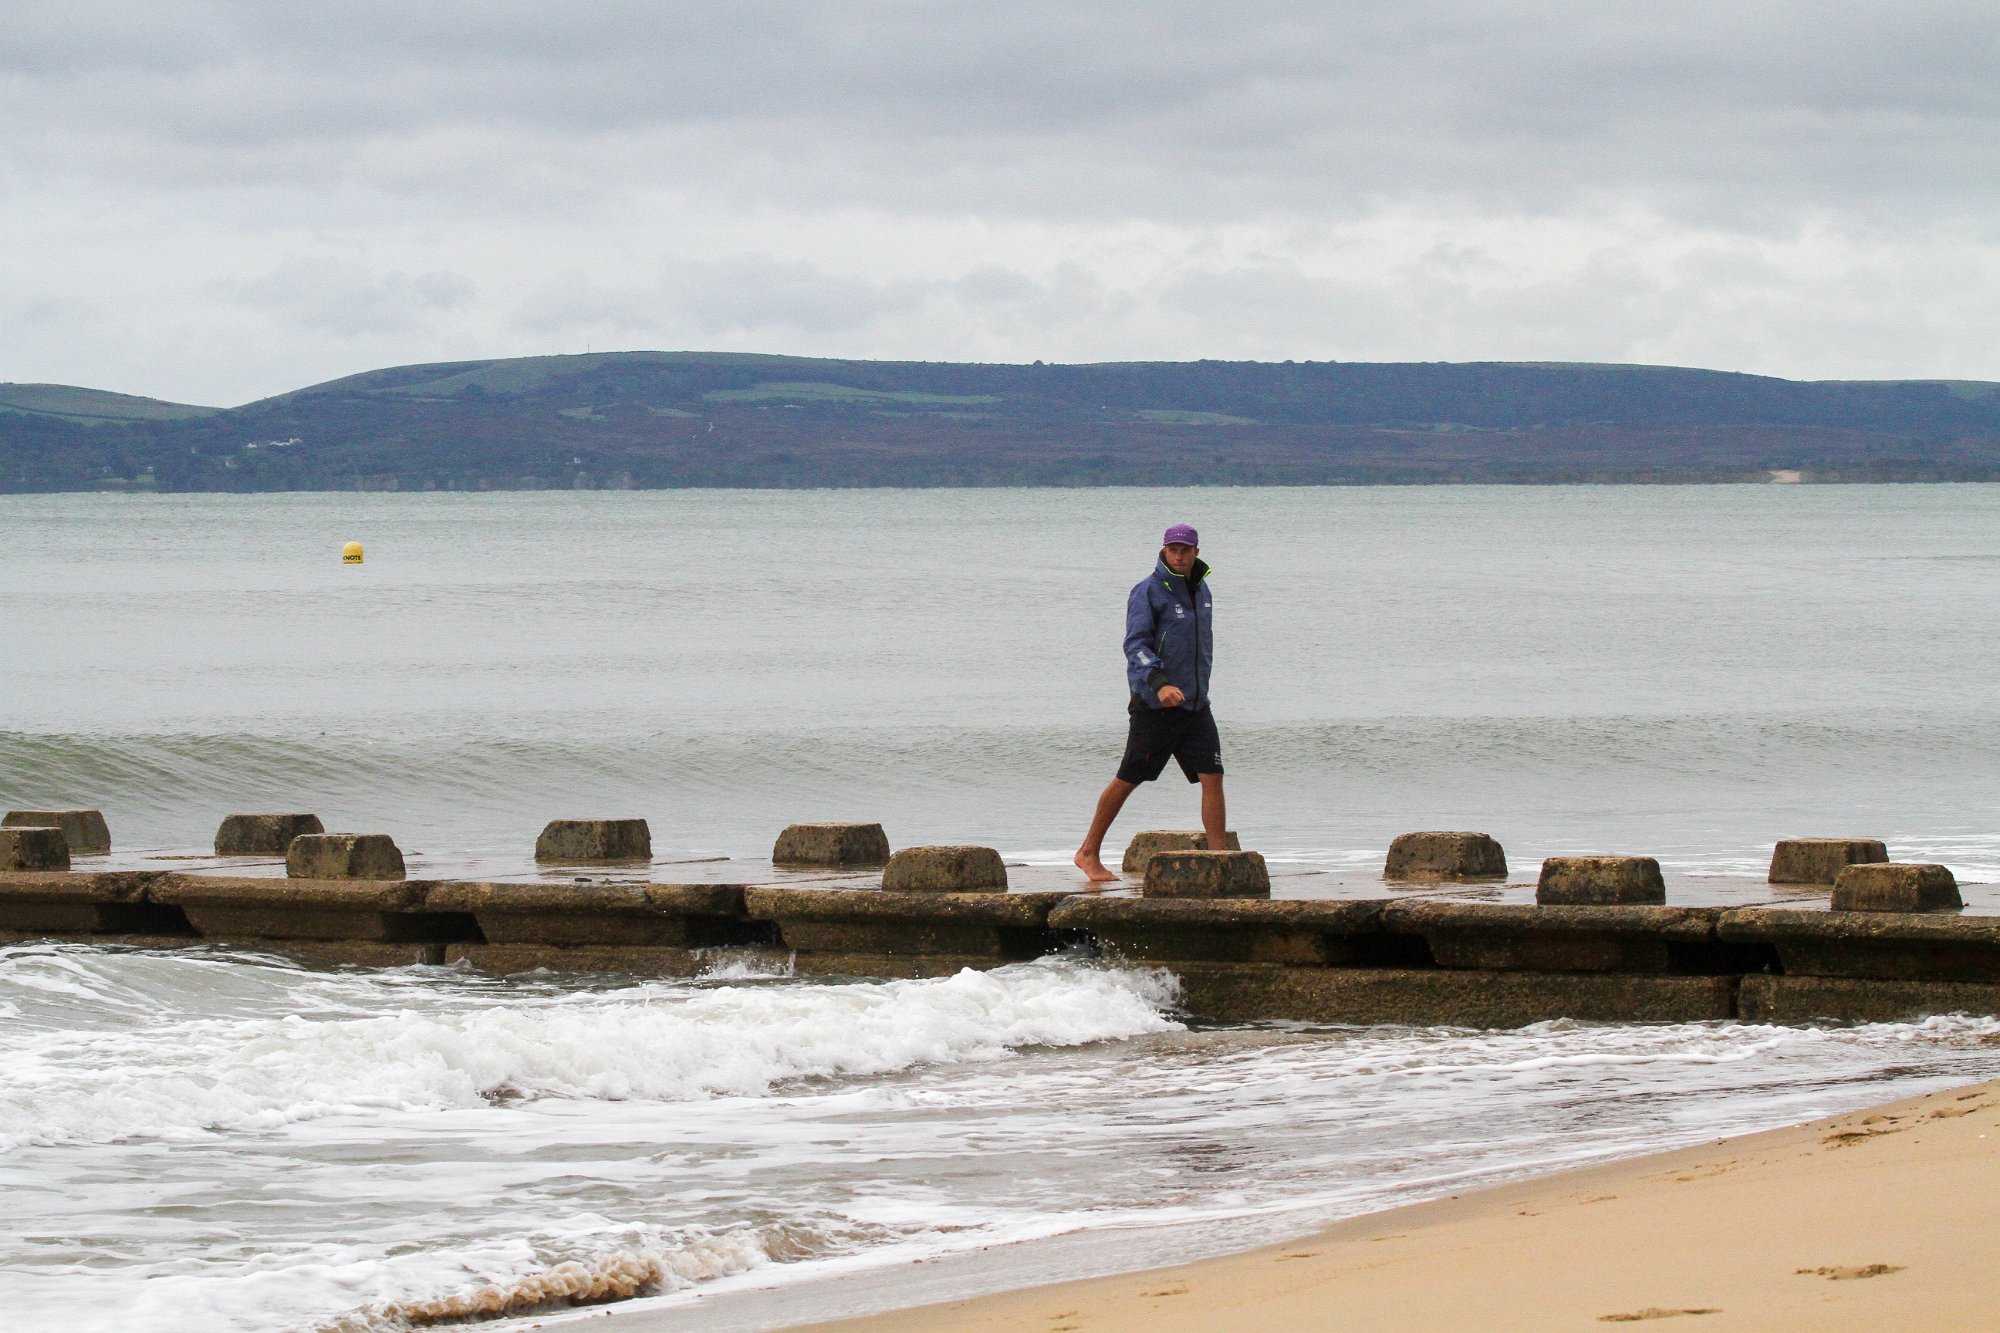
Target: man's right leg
(1090, 857)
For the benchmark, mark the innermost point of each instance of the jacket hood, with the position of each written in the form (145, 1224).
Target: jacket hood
(1195, 575)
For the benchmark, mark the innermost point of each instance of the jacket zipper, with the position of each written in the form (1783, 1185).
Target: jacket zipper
(1194, 609)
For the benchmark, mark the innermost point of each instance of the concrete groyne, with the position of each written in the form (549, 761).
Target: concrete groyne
(1600, 944)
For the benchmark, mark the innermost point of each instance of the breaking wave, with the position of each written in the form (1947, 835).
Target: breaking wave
(658, 1041)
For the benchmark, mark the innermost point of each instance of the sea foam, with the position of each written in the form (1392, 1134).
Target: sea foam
(658, 1041)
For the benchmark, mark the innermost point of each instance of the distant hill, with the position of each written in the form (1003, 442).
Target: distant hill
(90, 406)
(665, 419)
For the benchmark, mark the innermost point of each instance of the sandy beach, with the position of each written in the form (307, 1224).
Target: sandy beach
(1876, 1219)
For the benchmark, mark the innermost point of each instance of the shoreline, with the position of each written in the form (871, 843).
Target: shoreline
(1871, 1219)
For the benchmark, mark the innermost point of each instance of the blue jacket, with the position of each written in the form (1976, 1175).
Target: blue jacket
(1170, 635)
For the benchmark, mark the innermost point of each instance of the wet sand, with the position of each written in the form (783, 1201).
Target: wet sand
(1875, 1219)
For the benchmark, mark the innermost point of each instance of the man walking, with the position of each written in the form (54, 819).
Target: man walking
(1169, 644)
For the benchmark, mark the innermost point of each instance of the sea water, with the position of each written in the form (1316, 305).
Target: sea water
(204, 1140)
(1688, 671)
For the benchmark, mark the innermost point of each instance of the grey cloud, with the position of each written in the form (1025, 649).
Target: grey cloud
(338, 297)
(1139, 109)
(744, 295)
(1447, 301)
(45, 312)
(1878, 315)
(726, 298)
(990, 284)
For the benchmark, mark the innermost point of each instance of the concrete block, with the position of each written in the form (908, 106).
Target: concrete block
(344, 856)
(350, 953)
(122, 939)
(595, 840)
(884, 922)
(1445, 857)
(903, 938)
(1904, 946)
(84, 830)
(58, 903)
(1896, 886)
(33, 848)
(262, 835)
(1232, 930)
(358, 910)
(1514, 936)
(1207, 875)
(1375, 995)
(916, 966)
(307, 953)
(1820, 860)
(781, 903)
(1788, 999)
(561, 915)
(1144, 845)
(683, 916)
(1583, 881)
(945, 870)
(628, 960)
(833, 846)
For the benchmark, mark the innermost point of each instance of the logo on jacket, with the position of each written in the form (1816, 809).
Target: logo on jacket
(1180, 613)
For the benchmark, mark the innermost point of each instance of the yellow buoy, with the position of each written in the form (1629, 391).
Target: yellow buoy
(350, 554)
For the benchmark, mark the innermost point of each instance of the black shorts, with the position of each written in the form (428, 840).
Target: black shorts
(1160, 733)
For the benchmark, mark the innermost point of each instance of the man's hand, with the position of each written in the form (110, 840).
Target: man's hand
(1171, 696)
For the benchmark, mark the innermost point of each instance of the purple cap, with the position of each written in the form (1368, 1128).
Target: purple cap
(1182, 534)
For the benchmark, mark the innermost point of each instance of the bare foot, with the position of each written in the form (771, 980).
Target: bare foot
(1092, 867)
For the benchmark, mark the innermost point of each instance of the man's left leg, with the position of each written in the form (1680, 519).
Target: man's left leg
(1089, 858)
(1214, 816)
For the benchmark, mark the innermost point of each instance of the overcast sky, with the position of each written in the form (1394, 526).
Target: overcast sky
(213, 202)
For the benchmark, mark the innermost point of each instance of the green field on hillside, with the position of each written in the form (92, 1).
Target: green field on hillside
(91, 405)
(810, 392)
